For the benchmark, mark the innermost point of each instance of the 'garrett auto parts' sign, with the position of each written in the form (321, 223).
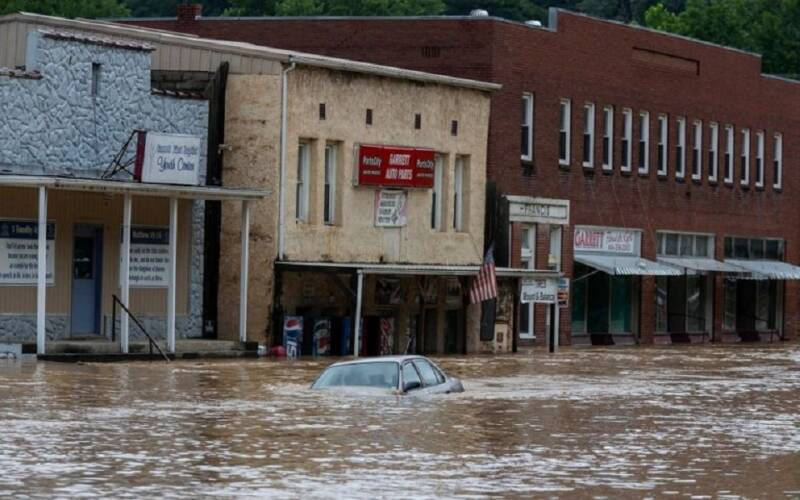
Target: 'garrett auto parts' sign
(393, 166)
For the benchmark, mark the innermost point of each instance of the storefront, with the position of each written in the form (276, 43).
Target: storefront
(606, 284)
(753, 301)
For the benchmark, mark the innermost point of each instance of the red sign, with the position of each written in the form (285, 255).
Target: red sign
(391, 166)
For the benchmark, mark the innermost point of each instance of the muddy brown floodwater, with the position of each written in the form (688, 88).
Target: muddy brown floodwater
(640, 422)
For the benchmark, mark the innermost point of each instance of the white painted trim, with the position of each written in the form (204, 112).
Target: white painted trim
(172, 273)
(243, 275)
(125, 262)
(41, 279)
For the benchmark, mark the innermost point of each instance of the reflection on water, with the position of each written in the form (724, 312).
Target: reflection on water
(694, 421)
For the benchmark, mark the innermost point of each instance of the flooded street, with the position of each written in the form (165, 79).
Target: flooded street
(647, 422)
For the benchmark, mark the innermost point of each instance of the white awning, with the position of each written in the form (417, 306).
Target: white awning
(627, 266)
(767, 269)
(701, 265)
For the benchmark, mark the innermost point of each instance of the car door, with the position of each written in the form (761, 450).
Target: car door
(411, 375)
(432, 380)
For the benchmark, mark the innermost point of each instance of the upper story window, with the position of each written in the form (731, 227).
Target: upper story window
(777, 165)
(588, 135)
(436, 193)
(302, 186)
(527, 127)
(329, 209)
(527, 261)
(745, 167)
(460, 203)
(713, 151)
(685, 245)
(564, 132)
(644, 142)
(753, 248)
(697, 150)
(608, 137)
(627, 136)
(680, 150)
(728, 154)
(663, 141)
(95, 90)
(760, 159)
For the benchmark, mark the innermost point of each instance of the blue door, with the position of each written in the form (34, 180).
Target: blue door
(87, 266)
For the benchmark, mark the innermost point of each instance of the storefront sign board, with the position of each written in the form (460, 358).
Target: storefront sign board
(168, 158)
(539, 291)
(19, 252)
(390, 208)
(395, 166)
(150, 261)
(617, 241)
(538, 210)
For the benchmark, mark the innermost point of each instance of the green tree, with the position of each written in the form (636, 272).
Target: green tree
(66, 8)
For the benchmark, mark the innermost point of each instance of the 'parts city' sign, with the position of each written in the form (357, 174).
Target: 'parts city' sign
(19, 252)
(168, 159)
(619, 241)
(393, 166)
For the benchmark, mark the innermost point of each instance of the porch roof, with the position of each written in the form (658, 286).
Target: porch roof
(413, 269)
(136, 188)
(626, 265)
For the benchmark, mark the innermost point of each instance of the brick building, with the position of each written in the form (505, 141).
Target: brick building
(647, 167)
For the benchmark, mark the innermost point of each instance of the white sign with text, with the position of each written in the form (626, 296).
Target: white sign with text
(619, 241)
(539, 291)
(19, 252)
(390, 208)
(149, 257)
(169, 159)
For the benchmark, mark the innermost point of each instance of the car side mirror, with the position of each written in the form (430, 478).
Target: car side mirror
(410, 386)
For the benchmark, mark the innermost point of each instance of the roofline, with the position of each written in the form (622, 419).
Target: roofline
(251, 50)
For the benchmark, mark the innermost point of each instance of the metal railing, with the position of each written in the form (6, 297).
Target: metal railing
(136, 321)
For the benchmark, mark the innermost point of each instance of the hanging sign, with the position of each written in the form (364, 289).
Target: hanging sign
(168, 159)
(620, 241)
(394, 166)
(149, 265)
(19, 252)
(539, 291)
(390, 208)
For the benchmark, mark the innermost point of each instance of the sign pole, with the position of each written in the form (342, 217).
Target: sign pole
(41, 279)
(556, 325)
(173, 254)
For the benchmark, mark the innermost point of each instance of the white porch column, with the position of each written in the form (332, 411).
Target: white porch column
(173, 257)
(125, 263)
(244, 271)
(41, 281)
(357, 326)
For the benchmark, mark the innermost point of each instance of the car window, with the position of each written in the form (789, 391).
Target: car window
(373, 374)
(427, 371)
(410, 374)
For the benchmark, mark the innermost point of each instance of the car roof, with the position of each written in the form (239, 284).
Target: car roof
(379, 359)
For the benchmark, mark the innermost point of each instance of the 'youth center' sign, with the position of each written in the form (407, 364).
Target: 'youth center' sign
(168, 158)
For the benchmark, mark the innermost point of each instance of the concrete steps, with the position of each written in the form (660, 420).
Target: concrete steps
(105, 351)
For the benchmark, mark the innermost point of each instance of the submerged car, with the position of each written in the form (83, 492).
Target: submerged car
(400, 374)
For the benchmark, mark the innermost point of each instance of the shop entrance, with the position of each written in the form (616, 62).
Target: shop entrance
(87, 269)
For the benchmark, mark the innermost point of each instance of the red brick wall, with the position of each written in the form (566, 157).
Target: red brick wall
(588, 60)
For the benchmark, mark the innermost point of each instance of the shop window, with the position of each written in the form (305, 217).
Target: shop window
(564, 133)
(627, 136)
(662, 313)
(579, 292)
(697, 150)
(680, 150)
(712, 152)
(621, 293)
(728, 154)
(330, 184)
(436, 193)
(527, 127)
(745, 167)
(554, 258)
(681, 304)
(777, 163)
(760, 159)
(601, 303)
(527, 261)
(663, 141)
(608, 138)
(460, 179)
(588, 135)
(729, 304)
(644, 142)
(302, 188)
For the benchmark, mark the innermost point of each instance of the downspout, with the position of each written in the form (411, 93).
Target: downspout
(282, 190)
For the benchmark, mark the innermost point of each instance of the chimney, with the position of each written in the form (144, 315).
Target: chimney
(189, 12)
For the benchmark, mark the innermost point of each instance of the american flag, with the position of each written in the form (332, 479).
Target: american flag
(484, 285)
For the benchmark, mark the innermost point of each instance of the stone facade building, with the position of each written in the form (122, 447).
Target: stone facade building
(673, 154)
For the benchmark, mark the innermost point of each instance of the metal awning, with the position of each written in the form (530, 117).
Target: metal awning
(627, 266)
(767, 269)
(133, 188)
(702, 265)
